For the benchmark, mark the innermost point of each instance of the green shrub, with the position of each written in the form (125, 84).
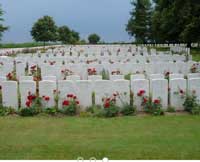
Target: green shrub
(4, 111)
(51, 111)
(153, 107)
(105, 75)
(31, 111)
(191, 104)
(96, 111)
(127, 77)
(128, 110)
(171, 109)
(110, 112)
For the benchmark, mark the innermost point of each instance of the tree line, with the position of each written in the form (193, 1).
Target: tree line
(165, 21)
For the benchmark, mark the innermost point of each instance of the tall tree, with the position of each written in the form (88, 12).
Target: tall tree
(139, 23)
(176, 21)
(2, 27)
(94, 38)
(44, 30)
(74, 37)
(64, 34)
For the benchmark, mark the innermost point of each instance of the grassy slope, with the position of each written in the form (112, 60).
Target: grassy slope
(23, 45)
(168, 137)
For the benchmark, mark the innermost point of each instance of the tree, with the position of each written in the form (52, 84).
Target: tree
(176, 21)
(94, 38)
(2, 27)
(74, 37)
(44, 30)
(64, 34)
(139, 23)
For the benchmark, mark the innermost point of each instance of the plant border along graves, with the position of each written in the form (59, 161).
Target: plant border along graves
(70, 106)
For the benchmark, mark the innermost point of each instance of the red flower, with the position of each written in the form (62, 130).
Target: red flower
(77, 102)
(141, 92)
(65, 103)
(0, 87)
(156, 101)
(28, 103)
(107, 105)
(181, 91)
(47, 98)
(145, 100)
(75, 97)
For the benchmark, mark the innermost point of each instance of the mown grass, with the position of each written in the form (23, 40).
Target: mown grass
(23, 45)
(166, 137)
(195, 54)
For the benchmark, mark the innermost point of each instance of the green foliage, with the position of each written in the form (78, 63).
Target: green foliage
(140, 21)
(105, 75)
(94, 38)
(127, 77)
(4, 111)
(67, 36)
(176, 21)
(2, 27)
(95, 110)
(31, 111)
(51, 111)
(128, 110)
(191, 104)
(171, 109)
(153, 107)
(110, 112)
(44, 30)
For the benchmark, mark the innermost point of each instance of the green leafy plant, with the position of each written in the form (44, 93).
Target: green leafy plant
(70, 105)
(105, 75)
(153, 107)
(171, 109)
(110, 109)
(33, 105)
(51, 111)
(128, 109)
(191, 104)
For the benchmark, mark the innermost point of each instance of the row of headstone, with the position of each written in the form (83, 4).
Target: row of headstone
(158, 89)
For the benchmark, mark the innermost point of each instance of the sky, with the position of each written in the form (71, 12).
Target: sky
(104, 17)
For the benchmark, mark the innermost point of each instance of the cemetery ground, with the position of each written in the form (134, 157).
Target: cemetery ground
(136, 137)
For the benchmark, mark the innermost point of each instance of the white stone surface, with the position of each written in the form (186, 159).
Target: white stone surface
(102, 89)
(65, 87)
(160, 90)
(25, 87)
(122, 87)
(47, 88)
(194, 85)
(136, 86)
(176, 85)
(9, 94)
(84, 93)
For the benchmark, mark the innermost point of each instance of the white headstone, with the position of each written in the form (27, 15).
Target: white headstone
(160, 91)
(102, 89)
(9, 94)
(65, 87)
(26, 87)
(84, 93)
(177, 92)
(46, 90)
(122, 88)
(194, 86)
(136, 87)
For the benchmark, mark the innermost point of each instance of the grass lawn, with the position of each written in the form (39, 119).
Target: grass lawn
(166, 137)
(195, 54)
